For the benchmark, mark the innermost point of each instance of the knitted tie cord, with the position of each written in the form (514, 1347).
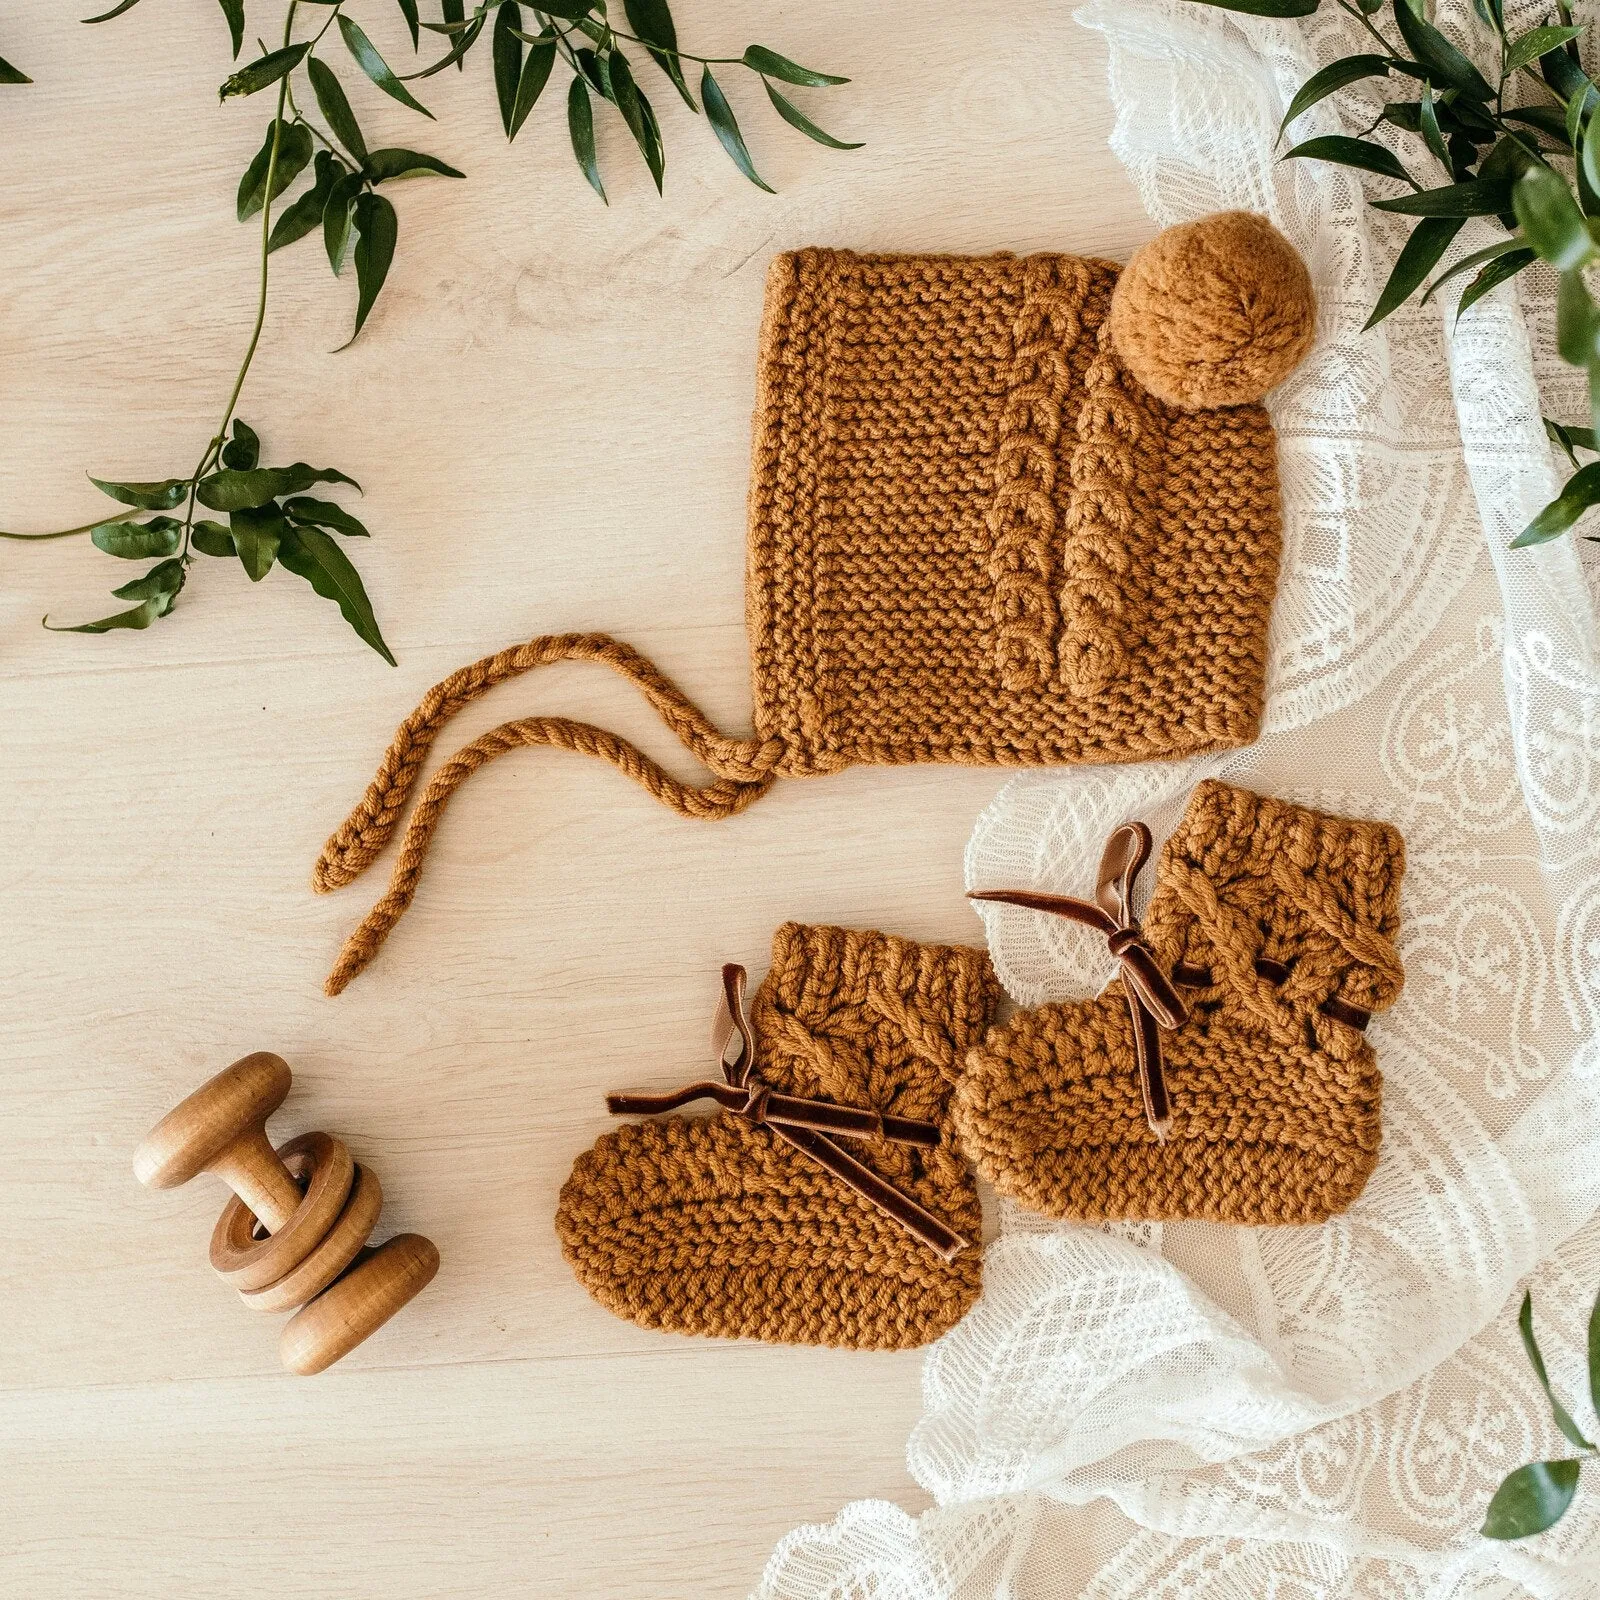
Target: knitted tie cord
(1278, 924)
(717, 1225)
(1003, 512)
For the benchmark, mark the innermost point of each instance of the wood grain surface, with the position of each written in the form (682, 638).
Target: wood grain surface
(550, 413)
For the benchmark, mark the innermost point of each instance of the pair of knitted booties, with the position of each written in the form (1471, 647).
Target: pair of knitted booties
(832, 1199)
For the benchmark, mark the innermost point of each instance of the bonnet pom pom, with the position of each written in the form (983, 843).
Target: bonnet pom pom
(1215, 312)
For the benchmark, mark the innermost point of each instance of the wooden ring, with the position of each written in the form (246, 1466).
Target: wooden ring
(247, 1262)
(338, 1248)
(380, 1283)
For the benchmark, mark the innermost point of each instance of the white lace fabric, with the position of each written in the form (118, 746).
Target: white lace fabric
(1318, 1413)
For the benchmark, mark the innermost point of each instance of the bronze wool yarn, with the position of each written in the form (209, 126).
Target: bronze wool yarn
(975, 536)
(1214, 313)
(1277, 923)
(715, 1225)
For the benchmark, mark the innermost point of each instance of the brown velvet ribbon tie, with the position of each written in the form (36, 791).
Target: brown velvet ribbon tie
(810, 1126)
(1153, 1002)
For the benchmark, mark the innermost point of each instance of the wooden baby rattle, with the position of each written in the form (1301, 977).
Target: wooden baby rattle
(295, 1232)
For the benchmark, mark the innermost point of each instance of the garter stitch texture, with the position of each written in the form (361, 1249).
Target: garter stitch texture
(714, 1225)
(1275, 1104)
(974, 537)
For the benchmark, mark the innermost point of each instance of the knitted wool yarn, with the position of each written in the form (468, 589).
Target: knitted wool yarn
(974, 535)
(1269, 916)
(1214, 313)
(715, 1225)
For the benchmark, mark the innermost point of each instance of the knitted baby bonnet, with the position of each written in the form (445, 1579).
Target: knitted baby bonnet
(1276, 924)
(825, 1203)
(1003, 511)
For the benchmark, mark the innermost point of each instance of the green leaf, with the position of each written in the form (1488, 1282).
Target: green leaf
(375, 67)
(1577, 321)
(1532, 1499)
(1536, 42)
(165, 578)
(652, 21)
(630, 103)
(162, 496)
(384, 166)
(1547, 119)
(325, 514)
(257, 531)
(457, 51)
(264, 73)
(10, 74)
(1428, 122)
(535, 74)
(1571, 441)
(580, 126)
(335, 106)
(1582, 490)
(1347, 152)
(243, 451)
(211, 539)
(229, 490)
(313, 555)
(155, 591)
(1500, 270)
(115, 11)
(294, 152)
(1564, 1420)
(336, 218)
(569, 10)
(455, 14)
(1477, 197)
(138, 541)
(507, 49)
(771, 65)
(595, 70)
(1333, 77)
(1551, 220)
(380, 231)
(1563, 73)
(726, 126)
(233, 10)
(1445, 64)
(797, 119)
(1274, 8)
(298, 218)
(409, 9)
(1428, 242)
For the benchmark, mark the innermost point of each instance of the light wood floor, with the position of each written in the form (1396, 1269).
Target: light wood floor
(550, 412)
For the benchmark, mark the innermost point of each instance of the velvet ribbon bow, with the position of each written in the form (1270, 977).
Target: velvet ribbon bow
(810, 1126)
(1153, 1002)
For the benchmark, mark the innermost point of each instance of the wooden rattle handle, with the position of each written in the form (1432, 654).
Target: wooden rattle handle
(221, 1128)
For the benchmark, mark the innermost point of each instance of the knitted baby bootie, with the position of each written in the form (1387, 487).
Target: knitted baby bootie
(825, 1203)
(1227, 1077)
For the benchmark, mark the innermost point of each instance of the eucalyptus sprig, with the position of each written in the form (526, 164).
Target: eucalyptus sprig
(1516, 141)
(271, 522)
(1536, 1497)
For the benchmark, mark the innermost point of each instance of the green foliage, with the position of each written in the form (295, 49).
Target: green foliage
(323, 166)
(1534, 169)
(1535, 1497)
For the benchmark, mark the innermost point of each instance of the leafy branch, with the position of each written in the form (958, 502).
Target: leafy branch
(1533, 167)
(1536, 1497)
(271, 522)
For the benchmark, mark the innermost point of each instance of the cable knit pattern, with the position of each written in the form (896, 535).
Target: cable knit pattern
(1022, 519)
(974, 538)
(716, 1226)
(1114, 465)
(1275, 1104)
